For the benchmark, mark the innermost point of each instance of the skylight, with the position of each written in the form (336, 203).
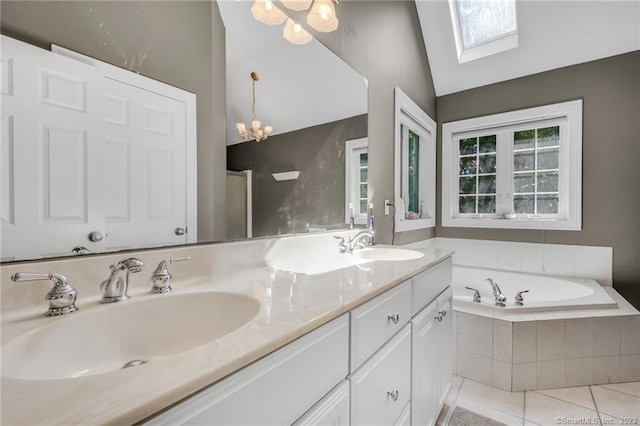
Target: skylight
(483, 27)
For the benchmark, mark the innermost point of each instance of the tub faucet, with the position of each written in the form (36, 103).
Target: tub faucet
(114, 288)
(362, 239)
(498, 297)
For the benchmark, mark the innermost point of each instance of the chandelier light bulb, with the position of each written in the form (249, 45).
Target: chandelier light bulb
(265, 11)
(295, 33)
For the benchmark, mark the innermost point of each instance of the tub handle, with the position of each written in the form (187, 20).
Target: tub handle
(476, 294)
(519, 298)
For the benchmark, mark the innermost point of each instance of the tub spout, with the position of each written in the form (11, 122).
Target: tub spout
(498, 297)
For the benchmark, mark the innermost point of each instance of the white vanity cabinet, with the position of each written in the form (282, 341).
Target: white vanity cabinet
(332, 410)
(431, 355)
(275, 390)
(381, 388)
(386, 362)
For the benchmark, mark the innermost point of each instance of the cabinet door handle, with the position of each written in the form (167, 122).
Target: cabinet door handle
(394, 318)
(393, 394)
(439, 317)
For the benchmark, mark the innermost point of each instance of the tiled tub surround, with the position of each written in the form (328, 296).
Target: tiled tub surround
(586, 347)
(561, 260)
(291, 304)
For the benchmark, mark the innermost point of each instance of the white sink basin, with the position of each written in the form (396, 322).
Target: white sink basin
(105, 338)
(385, 253)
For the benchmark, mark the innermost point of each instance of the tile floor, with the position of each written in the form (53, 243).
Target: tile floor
(616, 404)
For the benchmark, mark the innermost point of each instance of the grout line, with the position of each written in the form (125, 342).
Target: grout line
(564, 400)
(619, 391)
(595, 404)
(524, 408)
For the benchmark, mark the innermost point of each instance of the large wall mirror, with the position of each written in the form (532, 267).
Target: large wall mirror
(292, 182)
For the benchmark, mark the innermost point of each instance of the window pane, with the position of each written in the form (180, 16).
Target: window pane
(363, 207)
(488, 144)
(524, 182)
(468, 146)
(549, 136)
(467, 185)
(547, 204)
(487, 184)
(414, 172)
(524, 139)
(364, 158)
(363, 175)
(468, 166)
(363, 191)
(483, 20)
(548, 182)
(487, 164)
(487, 204)
(548, 159)
(467, 205)
(523, 161)
(523, 204)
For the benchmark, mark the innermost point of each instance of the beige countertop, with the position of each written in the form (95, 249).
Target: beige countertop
(292, 304)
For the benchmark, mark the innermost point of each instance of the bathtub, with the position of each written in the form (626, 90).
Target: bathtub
(546, 292)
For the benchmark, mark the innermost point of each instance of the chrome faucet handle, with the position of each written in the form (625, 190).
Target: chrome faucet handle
(476, 294)
(519, 298)
(342, 244)
(161, 278)
(115, 287)
(62, 297)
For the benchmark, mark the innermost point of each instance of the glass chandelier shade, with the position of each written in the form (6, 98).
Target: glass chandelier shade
(295, 33)
(255, 132)
(265, 11)
(297, 5)
(322, 16)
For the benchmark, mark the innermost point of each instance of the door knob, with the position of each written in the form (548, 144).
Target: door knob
(95, 236)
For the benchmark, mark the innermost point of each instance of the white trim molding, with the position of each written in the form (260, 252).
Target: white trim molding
(409, 115)
(567, 116)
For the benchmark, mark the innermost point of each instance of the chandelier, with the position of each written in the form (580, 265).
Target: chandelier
(255, 131)
(322, 17)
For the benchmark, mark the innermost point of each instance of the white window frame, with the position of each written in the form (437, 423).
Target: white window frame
(568, 115)
(479, 50)
(353, 148)
(408, 113)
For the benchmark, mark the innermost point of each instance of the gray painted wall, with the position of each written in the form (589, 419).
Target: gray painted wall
(317, 196)
(171, 41)
(610, 89)
(382, 40)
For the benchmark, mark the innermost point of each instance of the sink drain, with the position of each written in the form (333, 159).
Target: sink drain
(134, 363)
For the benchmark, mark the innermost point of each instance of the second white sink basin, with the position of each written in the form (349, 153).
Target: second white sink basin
(110, 337)
(386, 253)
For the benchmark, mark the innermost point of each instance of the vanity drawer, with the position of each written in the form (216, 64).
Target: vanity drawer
(374, 322)
(428, 284)
(275, 390)
(333, 409)
(381, 388)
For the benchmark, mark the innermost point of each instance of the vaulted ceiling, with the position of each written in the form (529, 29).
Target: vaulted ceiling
(551, 34)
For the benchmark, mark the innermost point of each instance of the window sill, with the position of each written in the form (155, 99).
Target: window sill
(413, 224)
(533, 223)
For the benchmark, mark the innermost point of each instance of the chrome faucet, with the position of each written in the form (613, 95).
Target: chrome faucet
(362, 239)
(161, 278)
(498, 297)
(61, 298)
(343, 247)
(114, 288)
